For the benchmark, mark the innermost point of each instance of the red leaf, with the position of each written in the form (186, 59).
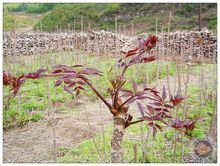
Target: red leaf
(6, 78)
(164, 115)
(32, 76)
(161, 104)
(141, 108)
(82, 77)
(80, 87)
(131, 101)
(157, 96)
(131, 52)
(157, 117)
(80, 82)
(168, 106)
(67, 81)
(126, 93)
(150, 42)
(148, 59)
(146, 41)
(77, 66)
(164, 94)
(177, 124)
(90, 71)
(176, 100)
(58, 82)
(68, 90)
(190, 126)
(71, 85)
(158, 126)
(150, 109)
(134, 85)
(141, 97)
(57, 71)
(63, 69)
(146, 118)
(151, 90)
(161, 109)
(151, 124)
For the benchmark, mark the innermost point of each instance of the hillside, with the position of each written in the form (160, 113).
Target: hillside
(102, 16)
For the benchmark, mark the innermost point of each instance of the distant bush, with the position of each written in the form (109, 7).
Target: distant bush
(29, 8)
(16, 7)
(59, 17)
(212, 24)
(102, 15)
(65, 14)
(112, 8)
(8, 21)
(40, 8)
(186, 8)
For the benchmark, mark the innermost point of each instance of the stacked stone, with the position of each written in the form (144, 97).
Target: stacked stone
(30, 43)
(203, 43)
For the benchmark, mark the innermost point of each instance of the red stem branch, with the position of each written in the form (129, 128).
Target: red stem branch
(125, 102)
(98, 94)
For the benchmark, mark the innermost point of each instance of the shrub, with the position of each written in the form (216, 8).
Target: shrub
(36, 117)
(212, 24)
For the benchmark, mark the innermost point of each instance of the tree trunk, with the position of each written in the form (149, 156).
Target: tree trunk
(116, 143)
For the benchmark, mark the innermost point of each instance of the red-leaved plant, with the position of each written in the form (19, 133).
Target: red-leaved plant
(75, 79)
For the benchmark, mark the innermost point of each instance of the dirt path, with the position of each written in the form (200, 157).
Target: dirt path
(33, 142)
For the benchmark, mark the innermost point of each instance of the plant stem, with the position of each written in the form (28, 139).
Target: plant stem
(52, 121)
(98, 94)
(116, 143)
(143, 144)
(135, 152)
(125, 102)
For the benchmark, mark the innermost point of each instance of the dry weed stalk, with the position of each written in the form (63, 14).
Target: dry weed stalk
(143, 148)
(168, 51)
(103, 130)
(51, 116)
(135, 152)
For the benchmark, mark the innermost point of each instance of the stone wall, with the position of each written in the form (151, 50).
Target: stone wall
(103, 43)
(93, 42)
